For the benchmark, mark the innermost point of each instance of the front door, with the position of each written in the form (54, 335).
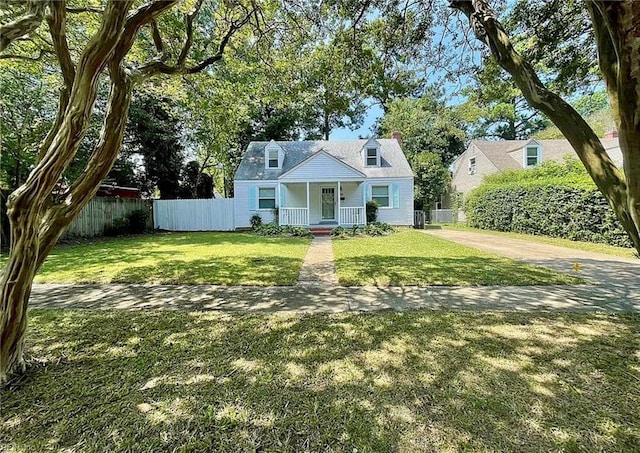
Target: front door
(328, 203)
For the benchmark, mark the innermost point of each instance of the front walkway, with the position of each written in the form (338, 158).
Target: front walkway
(318, 267)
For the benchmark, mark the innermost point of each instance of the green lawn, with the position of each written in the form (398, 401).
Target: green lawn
(412, 258)
(187, 258)
(415, 381)
(586, 246)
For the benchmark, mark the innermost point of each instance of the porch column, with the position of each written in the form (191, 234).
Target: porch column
(278, 200)
(308, 207)
(339, 212)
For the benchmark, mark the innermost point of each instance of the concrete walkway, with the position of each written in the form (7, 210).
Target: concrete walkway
(318, 267)
(614, 288)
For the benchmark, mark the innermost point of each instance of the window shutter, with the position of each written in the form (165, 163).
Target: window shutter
(253, 198)
(282, 196)
(396, 195)
(368, 195)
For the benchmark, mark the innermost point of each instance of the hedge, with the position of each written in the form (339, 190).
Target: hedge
(542, 202)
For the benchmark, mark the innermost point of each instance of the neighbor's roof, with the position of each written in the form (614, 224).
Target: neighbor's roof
(393, 163)
(507, 154)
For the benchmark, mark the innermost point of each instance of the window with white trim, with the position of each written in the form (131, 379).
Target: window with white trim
(372, 157)
(472, 166)
(380, 194)
(266, 198)
(532, 156)
(272, 159)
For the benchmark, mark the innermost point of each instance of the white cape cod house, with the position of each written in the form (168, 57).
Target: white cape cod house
(324, 183)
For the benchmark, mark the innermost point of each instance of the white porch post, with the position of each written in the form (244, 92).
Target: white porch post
(279, 199)
(339, 211)
(308, 207)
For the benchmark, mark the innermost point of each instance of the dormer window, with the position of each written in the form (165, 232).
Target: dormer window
(532, 156)
(272, 157)
(373, 157)
(472, 165)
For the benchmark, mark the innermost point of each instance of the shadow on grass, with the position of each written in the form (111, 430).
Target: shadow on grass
(221, 270)
(418, 271)
(414, 381)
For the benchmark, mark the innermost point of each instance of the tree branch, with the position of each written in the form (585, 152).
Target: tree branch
(58, 28)
(24, 25)
(189, 41)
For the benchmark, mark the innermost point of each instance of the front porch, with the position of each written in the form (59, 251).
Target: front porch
(326, 204)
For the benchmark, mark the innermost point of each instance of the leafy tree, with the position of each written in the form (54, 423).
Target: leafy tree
(614, 25)
(431, 178)
(195, 183)
(154, 134)
(128, 46)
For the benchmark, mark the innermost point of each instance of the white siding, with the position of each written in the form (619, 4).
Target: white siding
(295, 195)
(241, 197)
(319, 167)
(194, 215)
(403, 214)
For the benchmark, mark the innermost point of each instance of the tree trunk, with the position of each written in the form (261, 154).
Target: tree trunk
(623, 195)
(26, 206)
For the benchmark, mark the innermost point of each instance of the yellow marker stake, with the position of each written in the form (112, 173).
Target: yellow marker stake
(576, 267)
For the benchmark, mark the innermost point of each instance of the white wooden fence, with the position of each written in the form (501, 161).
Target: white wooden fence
(215, 214)
(101, 212)
(448, 216)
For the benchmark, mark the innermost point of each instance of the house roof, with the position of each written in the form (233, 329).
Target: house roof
(393, 163)
(507, 154)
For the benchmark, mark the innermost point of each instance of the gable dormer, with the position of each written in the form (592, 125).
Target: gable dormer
(371, 153)
(273, 156)
(531, 154)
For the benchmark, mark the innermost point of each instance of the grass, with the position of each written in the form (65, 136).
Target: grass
(579, 245)
(413, 381)
(411, 258)
(179, 258)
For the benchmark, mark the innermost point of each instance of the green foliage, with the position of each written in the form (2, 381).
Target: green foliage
(426, 125)
(119, 227)
(553, 199)
(371, 229)
(137, 221)
(273, 229)
(255, 221)
(431, 179)
(371, 209)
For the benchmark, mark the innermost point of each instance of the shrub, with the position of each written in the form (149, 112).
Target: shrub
(372, 211)
(273, 229)
(552, 200)
(137, 221)
(256, 221)
(339, 231)
(372, 229)
(119, 227)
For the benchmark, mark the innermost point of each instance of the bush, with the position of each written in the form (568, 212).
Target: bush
(273, 229)
(372, 211)
(552, 200)
(119, 227)
(137, 221)
(256, 221)
(372, 229)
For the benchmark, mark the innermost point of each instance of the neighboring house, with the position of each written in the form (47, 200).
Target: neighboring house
(324, 182)
(113, 191)
(483, 158)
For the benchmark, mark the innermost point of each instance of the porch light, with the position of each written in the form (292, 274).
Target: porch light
(342, 198)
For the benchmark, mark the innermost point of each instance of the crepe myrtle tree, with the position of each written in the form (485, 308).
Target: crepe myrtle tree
(129, 44)
(616, 26)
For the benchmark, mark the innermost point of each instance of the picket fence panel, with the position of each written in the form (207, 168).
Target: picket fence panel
(214, 214)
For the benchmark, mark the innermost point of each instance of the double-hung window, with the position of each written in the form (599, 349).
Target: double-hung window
(531, 157)
(380, 194)
(472, 165)
(273, 158)
(372, 157)
(266, 198)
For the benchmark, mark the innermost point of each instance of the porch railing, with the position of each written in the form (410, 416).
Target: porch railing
(294, 216)
(352, 216)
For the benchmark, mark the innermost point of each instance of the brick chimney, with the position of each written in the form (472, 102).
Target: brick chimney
(611, 134)
(397, 135)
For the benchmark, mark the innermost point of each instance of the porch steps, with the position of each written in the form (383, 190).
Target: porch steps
(321, 230)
